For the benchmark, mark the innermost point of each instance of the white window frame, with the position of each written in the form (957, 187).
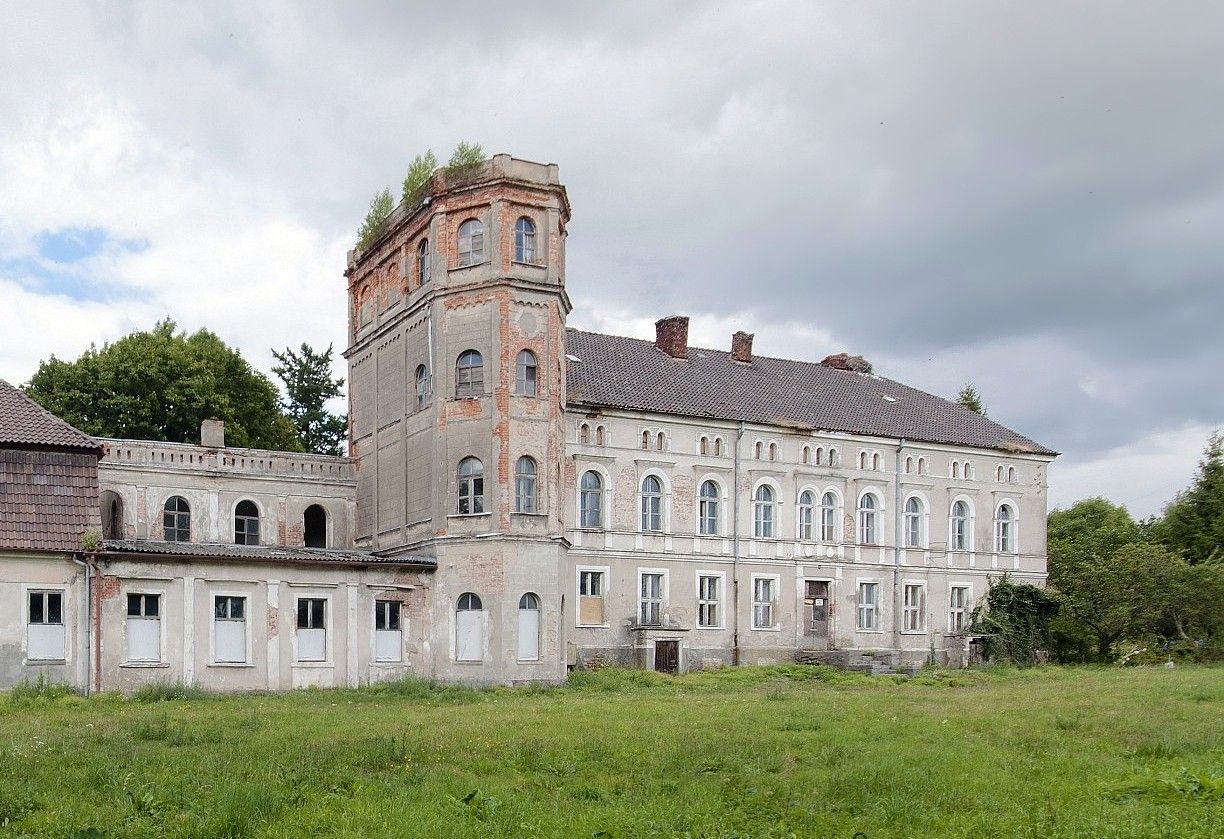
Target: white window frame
(483, 619)
(775, 599)
(246, 628)
(329, 618)
(662, 599)
(860, 608)
(160, 594)
(664, 503)
(970, 516)
(913, 616)
(1013, 547)
(813, 513)
(836, 525)
(539, 627)
(605, 495)
(771, 506)
(379, 598)
(965, 609)
(719, 602)
(877, 519)
(64, 624)
(606, 584)
(924, 538)
(719, 511)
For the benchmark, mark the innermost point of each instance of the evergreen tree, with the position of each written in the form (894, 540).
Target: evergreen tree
(1193, 524)
(971, 399)
(307, 376)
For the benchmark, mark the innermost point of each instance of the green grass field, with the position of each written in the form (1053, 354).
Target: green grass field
(781, 751)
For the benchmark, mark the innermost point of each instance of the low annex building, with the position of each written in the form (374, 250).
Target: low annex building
(520, 497)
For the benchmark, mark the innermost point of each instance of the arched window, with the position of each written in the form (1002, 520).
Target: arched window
(112, 515)
(909, 465)
(471, 242)
(423, 262)
(875, 461)
(529, 628)
(584, 433)
(869, 533)
(833, 458)
(660, 442)
(1005, 522)
(828, 517)
(652, 504)
(1011, 474)
(807, 510)
(469, 628)
(807, 455)
(763, 512)
(773, 451)
(913, 522)
(599, 435)
(176, 520)
(246, 523)
(524, 240)
(525, 374)
(999, 473)
(758, 450)
(922, 466)
(525, 485)
(718, 447)
(956, 469)
(590, 501)
(820, 455)
(862, 460)
(422, 387)
(959, 536)
(471, 486)
(645, 439)
(707, 509)
(703, 445)
(314, 526)
(469, 375)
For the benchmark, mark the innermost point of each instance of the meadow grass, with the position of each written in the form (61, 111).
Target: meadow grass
(751, 752)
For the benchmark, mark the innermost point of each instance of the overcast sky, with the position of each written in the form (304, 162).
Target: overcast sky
(1026, 196)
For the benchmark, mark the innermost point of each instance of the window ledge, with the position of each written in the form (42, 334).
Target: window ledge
(913, 632)
(594, 626)
(766, 629)
(237, 664)
(533, 515)
(314, 664)
(870, 631)
(468, 515)
(145, 665)
(709, 628)
(389, 661)
(42, 661)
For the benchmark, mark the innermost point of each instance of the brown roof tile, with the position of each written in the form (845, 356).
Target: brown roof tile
(38, 513)
(23, 422)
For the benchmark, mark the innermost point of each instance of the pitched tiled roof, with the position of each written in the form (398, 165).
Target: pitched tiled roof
(23, 422)
(48, 499)
(614, 372)
(261, 553)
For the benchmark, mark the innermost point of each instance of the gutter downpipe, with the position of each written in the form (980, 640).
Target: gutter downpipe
(898, 524)
(735, 550)
(88, 612)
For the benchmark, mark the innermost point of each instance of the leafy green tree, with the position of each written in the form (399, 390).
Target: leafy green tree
(159, 385)
(307, 377)
(1193, 524)
(1016, 618)
(971, 399)
(1093, 526)
(420, 171)
(465, 161)
(381, 206)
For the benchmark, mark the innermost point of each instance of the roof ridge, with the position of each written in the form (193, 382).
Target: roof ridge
(71, 436)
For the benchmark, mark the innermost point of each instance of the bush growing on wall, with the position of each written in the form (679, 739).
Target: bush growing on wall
(420, 171)
(381, 206)
(1015, 620)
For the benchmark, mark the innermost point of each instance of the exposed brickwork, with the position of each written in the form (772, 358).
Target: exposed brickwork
(741, 347)
(671, 335)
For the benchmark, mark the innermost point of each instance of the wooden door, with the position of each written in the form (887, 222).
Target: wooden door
(667, 656)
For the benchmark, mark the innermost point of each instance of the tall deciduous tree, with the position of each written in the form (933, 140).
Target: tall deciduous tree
(307, 376)
(1193, 524)
(159, 385)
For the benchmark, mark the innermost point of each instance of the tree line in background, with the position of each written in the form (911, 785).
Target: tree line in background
(161, 384)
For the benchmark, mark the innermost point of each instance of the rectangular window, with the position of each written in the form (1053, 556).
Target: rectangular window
(229, 629)
(388, 638)
(591, 598)
(958, 605)
(708, 598)
(144, 627)
(650, 607)
(762, 602)
(913, 608)
(46, 639)
(311, 629)
(868, 598)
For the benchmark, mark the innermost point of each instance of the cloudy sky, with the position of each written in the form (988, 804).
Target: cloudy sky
(1026, 196)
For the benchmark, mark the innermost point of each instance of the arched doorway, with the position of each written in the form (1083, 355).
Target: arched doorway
(315, 526)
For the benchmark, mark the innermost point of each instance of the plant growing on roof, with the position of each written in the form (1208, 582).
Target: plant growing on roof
(419, 173)
(381, 206)
(465, 161)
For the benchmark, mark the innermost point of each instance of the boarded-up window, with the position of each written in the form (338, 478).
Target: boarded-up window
(529, 628)
(144, 627)
(591, 598)
(229, 629)
(388, 638)
(311, 629)
(45, 636)
(469, 629)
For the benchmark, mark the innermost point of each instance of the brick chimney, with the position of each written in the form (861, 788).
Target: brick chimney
(741, 347)
(671, 335)
(845, 361)
(212, 434)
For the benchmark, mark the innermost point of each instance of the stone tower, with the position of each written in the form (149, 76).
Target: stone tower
(457, 394)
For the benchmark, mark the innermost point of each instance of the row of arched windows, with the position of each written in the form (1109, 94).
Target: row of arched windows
(471, 245)
(816, 520)
(470, 627)
(585, 437)
(176, 523)
(470, 380)
(471, 488)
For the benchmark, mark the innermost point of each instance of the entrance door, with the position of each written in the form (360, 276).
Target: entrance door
(816, 614)
(667, 656)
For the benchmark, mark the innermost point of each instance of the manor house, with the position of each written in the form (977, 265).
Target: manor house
(519, 498)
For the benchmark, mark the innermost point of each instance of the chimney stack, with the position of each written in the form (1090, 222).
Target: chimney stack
(847, 362)
(741, 347)
(671, 335)
(212, 434)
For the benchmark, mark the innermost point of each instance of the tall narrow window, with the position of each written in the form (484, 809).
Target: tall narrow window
(645, 440)
(525, 485)
(807, 455)
(652, 505)
(524, 240)
(471, 486)
(913, 608)
(762, 602)
(246, 523)
(876, 462)
(650, 604)
(590, 501)
(46, 638)
(600, 435)
(868, 596)
(913, 522)
(958, 606)
(807, 510)
(469, 628)
(773, 451)
(584, 434)
(922, 469)
(703, 446)
(868, 520)
(176, 519)
(763, 512)
(314, 526)
(143, 628)
(828, 517)
(529, 628)
(718, 447)
(471, 242)
(423, 262)
(660, 442)
(758, 450)
(469, 375)
(1004, 524)
(709, 598)
(591, 598)
(229, 629)
(707, 509)
(422, 387)
(388, 637)
(834, 458)
(960, 526)
(525, 374)
(311, 630)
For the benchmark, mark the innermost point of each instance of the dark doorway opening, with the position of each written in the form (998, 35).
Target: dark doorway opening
(816, 607)
(667, 656)
(315, 526)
